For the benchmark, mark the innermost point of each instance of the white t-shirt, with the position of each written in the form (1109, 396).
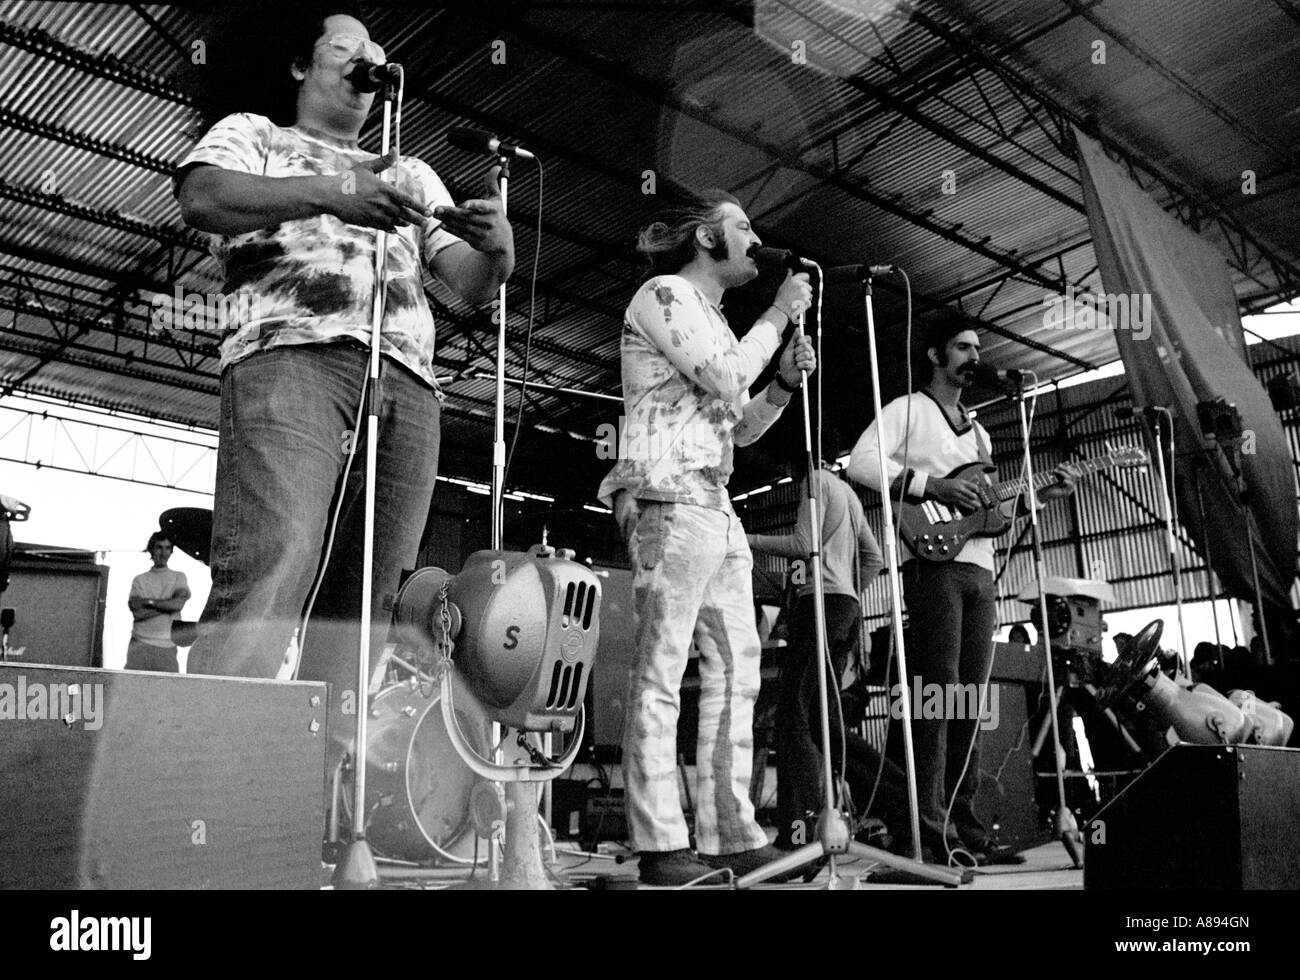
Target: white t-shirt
(157, 583)
(935, 449)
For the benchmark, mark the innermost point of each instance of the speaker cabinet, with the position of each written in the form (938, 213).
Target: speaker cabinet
(1202, 816)
(58, 611)
(1004, 801)
(148, 780)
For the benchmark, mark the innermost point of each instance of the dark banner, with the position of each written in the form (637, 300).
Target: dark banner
(1180, 337)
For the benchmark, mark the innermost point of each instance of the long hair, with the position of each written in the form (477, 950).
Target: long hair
(249, 51)
(668, 243)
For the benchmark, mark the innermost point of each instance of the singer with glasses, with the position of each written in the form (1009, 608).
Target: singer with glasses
(952, 605)
(293, 202)
(686, 382)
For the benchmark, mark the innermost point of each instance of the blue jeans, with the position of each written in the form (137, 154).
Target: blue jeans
(285, 418)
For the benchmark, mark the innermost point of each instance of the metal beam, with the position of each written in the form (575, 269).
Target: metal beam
(1182, 82)
(106, 65)
(25, 194)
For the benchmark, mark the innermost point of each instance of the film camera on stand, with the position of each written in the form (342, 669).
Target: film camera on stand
(1102, 753)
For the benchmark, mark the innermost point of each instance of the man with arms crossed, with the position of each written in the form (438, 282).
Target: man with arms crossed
(157, 596)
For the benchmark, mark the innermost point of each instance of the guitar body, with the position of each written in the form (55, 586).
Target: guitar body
(937, 532)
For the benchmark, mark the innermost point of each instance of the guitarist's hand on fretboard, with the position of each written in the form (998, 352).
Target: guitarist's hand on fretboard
(1065, 475)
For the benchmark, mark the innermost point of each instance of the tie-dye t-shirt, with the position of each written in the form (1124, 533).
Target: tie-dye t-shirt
(686, 397)
(312, 280)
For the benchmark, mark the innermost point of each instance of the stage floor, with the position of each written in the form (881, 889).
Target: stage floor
(1046, 868)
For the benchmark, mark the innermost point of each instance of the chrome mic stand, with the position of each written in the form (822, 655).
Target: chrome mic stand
(356, 866)
(832, 828)
(499, 436)
(1067, 829)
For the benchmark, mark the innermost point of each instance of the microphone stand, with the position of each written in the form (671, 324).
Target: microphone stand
(1067, 829)
(1166, 495)
(832, 828)
(499, 437)
(356, 866)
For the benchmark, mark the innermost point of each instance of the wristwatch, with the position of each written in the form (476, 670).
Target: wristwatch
(781, 383)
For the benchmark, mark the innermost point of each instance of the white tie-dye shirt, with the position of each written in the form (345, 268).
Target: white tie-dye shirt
(311, 281)
(686, 397)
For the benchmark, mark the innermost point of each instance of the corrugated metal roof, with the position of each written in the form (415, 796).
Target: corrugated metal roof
(697, 97)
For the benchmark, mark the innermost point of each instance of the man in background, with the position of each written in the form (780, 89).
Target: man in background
(851, 559)
(157, 597)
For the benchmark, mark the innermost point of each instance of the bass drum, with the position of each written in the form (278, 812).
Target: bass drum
(418, 789)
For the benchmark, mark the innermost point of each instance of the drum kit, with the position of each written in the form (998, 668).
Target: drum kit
(523, 628)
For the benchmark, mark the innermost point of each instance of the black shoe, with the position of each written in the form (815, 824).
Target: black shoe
(991, 853)
(743, 862)
(670, 869)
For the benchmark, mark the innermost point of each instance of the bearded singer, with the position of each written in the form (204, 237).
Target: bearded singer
(686, 380)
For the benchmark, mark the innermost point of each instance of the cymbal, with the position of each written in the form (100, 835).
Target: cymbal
(190, 529)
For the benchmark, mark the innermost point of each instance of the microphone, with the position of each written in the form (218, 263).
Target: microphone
(987, 376)
(782, 257)
(477, 141)
(1150, 411)
(858, 273)
(839, 273)
(370, 77)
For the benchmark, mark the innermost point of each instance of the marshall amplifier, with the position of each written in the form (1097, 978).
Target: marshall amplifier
(126, 779)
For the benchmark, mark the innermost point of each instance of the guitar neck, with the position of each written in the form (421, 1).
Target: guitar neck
(1008, 489)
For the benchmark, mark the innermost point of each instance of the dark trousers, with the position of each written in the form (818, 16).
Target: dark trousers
(799, 785)
(952, 613)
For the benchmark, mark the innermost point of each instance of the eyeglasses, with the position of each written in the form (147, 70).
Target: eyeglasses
(346, 45)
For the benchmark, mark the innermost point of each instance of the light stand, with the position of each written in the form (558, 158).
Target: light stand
(356, 867)
(1261, 619)
(833, 836)
(1067, 830)
(1222, 421)
(1167, 492)
(1200, 464)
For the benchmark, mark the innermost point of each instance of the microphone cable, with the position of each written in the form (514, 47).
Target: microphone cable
(528, 340)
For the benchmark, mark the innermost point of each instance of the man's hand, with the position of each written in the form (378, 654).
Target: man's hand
(481, 222)
(962, 494)
(626, 512)
(369, 202)
(796, 358)
(1066, 475)
(794, 295)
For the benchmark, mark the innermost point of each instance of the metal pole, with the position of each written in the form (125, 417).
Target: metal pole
(1066, 828)
(356, 867)
(1170, 541)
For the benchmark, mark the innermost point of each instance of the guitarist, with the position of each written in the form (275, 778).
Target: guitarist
(952, 604)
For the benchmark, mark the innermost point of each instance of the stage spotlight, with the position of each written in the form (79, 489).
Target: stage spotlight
(520, 631)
